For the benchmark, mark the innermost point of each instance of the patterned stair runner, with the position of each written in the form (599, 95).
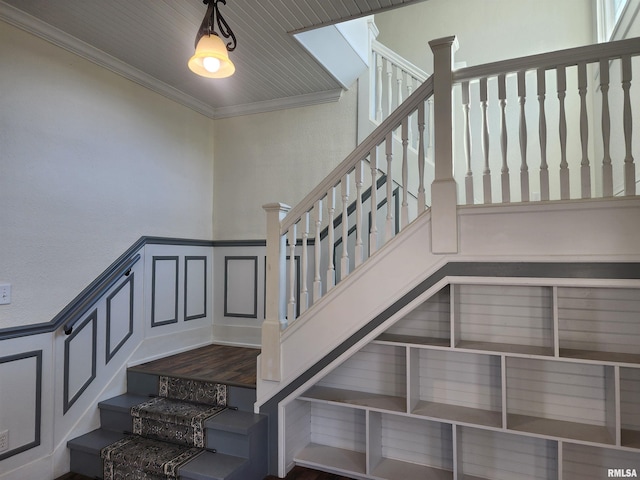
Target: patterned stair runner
(168, 431)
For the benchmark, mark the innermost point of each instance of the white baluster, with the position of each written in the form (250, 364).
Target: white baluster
(524, 168)
(389, 87)
(429, 129)
(378, 88)
(304, 293)
(607, 170)
(291, 308)
(317, 279)
(373, 232)
(422, 201)
(404, 217)
(331, 208)
(486, 174)
(504, 172)
(409, 88)
(388, 232)
(468, 179)
(359, 179)
(585, 167)
(542, 133)
(629, 166)
(398, 86)
(562, 129)
(344, 260)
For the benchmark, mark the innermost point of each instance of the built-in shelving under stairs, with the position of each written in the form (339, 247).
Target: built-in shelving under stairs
(189, 416)
(488, 379)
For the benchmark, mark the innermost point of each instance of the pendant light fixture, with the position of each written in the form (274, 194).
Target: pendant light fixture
(211, 58)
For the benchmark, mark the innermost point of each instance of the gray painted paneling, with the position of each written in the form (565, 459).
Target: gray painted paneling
(195, 287)
(164, 290)
(25, 423)
(119, 317)
(80, 359)
(339, 427)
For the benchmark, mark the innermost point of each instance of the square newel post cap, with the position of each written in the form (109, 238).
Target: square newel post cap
(451, 41)
(277, 207)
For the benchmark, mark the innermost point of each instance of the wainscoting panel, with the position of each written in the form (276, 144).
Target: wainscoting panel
(195, 287)
(241, 286)
(24, 423)
(164, 293)
(80, 351)
(119, 317)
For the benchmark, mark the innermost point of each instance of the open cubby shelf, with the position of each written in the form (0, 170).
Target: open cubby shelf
(356, 398)
(485, 381)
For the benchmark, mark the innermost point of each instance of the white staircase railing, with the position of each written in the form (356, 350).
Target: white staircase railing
(513, 77)
(592, 90)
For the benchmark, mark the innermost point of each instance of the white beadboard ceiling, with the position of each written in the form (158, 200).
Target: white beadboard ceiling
(150, 41)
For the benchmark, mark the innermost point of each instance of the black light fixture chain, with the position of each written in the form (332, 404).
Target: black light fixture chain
(214, 17)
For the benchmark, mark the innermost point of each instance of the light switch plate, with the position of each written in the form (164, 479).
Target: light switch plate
(5, 293)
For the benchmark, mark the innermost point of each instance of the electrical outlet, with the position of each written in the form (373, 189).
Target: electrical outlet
(5, 293)
(4, 440)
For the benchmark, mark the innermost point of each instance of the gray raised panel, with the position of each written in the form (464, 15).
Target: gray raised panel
(27, 391)
(241, 286)
(164, 291)
(195, 287)
(119, 317)
(80, 359)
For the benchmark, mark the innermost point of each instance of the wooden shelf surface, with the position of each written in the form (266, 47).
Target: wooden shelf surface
(560, 428)
(347, 461)
(354, 397)
(505, 348)
(456, 413)
(600, 356)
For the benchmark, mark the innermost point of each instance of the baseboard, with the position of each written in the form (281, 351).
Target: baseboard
(240, 336)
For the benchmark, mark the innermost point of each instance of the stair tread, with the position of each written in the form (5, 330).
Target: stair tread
(235, 421)
(94, 441)
(122, 402)
(210, 466)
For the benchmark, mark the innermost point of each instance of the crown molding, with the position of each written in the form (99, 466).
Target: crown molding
(306, 100)
(55, 36)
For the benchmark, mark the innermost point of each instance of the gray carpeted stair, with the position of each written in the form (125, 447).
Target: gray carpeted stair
(186, 433)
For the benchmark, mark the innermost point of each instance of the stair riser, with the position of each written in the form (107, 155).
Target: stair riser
(87, 464)
(116, 421)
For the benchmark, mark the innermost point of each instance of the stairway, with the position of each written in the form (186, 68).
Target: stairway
(170, 427)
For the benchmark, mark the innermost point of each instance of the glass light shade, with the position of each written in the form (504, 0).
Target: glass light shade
(211, 52)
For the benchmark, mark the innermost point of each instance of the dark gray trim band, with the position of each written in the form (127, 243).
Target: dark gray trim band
(38, 407)
(93, 319)
(85, 300)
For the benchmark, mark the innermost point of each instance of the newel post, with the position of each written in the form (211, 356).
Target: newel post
(275, 301)
(444, 198)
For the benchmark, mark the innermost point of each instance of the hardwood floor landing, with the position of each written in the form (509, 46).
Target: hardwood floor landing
(213, 363)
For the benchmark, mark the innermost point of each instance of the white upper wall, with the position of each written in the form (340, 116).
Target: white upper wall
(487, 30)
(276, 157)
(89, 162)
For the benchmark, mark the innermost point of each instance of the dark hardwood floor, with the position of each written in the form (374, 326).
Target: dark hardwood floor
(298, 473)
(213, 363)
